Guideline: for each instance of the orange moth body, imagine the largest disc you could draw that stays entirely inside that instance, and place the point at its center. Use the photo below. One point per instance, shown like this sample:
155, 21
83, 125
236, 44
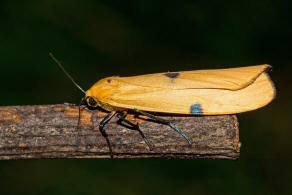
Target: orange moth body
199, 92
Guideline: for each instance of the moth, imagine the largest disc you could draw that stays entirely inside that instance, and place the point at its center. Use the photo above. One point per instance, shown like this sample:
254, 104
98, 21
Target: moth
198, 92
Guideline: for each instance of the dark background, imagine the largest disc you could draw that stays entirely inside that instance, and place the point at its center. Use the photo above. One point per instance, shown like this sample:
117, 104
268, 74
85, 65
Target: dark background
96, 39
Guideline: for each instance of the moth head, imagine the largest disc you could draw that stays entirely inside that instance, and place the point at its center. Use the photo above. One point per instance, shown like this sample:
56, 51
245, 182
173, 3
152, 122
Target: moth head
91, 101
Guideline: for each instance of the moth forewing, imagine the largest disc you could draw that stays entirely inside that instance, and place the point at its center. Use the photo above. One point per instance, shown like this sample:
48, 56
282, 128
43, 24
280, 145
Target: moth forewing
223, 91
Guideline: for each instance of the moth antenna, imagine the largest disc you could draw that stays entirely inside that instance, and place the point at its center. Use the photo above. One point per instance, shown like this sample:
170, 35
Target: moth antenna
68, 75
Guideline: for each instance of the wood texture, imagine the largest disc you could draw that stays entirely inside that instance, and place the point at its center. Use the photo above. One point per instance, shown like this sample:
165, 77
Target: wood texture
49, 131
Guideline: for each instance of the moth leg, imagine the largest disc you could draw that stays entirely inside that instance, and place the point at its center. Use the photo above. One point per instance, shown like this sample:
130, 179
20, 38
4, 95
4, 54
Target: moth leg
163, 121
78, 139
135, 127
79, 111
102, 131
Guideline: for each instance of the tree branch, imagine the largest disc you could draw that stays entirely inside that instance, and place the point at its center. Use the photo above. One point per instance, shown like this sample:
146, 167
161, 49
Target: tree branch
50, 131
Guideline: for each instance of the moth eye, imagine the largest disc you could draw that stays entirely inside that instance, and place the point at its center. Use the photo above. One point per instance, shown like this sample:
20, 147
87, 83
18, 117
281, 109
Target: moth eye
91, 101
109, 81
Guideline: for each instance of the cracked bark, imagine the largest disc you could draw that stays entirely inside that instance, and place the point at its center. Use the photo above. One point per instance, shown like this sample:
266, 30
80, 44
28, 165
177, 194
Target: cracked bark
49, 131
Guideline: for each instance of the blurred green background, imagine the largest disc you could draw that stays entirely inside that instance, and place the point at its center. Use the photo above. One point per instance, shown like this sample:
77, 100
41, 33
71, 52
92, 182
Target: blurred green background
95, 39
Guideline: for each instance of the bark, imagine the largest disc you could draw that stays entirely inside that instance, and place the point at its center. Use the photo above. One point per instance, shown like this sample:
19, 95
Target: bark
50, 131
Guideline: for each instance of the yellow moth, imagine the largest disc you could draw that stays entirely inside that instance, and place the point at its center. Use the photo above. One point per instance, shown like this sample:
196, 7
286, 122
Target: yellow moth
198, 92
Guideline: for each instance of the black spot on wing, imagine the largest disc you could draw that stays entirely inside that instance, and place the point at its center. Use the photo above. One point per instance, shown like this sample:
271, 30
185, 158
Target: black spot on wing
196, 109
171, 75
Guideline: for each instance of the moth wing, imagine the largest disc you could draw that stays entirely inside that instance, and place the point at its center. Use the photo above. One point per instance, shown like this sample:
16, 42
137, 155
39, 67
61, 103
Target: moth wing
231, 78
203, 97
